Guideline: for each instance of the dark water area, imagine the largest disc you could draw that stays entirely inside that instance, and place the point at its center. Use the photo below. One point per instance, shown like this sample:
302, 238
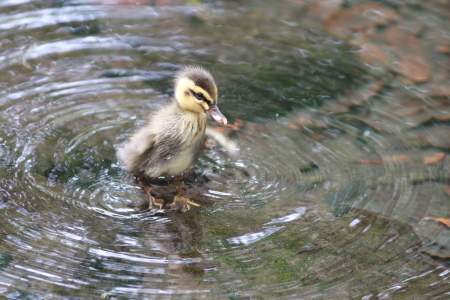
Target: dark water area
340, 111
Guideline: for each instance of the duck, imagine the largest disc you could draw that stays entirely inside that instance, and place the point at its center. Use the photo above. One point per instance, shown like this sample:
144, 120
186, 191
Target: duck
175, 135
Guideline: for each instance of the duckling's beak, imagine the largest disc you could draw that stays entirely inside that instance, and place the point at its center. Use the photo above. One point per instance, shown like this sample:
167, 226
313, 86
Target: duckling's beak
215, 113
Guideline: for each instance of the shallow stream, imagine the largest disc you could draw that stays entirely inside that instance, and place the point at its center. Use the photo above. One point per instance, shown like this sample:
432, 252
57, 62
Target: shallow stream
340, 110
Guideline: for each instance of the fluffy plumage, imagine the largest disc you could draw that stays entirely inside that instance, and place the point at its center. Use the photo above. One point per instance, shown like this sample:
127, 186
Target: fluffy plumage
175, 135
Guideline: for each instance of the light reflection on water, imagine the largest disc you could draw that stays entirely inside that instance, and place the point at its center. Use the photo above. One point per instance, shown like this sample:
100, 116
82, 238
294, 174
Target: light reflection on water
316, 203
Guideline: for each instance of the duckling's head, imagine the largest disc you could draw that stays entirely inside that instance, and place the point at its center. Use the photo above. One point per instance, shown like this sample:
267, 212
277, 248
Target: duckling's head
196, 91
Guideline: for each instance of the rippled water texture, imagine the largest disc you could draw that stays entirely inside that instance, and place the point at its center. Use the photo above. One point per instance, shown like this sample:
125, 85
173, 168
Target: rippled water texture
340, 114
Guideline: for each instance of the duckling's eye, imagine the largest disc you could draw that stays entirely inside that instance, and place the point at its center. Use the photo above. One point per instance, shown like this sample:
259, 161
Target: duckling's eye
199, 96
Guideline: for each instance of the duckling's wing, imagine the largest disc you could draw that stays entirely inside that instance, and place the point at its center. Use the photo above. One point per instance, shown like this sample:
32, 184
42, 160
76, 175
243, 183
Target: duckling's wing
135, 151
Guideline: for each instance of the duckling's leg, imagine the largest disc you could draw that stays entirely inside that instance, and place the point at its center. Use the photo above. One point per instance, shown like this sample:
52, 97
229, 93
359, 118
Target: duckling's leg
153, 203
180, 202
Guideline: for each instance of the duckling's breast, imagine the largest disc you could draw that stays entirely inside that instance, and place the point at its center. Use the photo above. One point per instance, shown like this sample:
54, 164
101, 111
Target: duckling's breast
179, 145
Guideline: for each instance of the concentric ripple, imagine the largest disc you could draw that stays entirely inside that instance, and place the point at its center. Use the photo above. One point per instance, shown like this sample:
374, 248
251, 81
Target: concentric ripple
319, 201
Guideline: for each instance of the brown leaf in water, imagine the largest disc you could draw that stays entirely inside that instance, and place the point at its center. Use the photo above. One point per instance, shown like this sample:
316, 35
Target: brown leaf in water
360, 17
293, 126
413, 68
421, 111
436, 136
410, 107
446, 222
397, 158
300, 122
363, 121
411, 61
363, 94
371, 53
402, 38
444, 117
432, 159
355, 98
362, 161
444, 48
438, 90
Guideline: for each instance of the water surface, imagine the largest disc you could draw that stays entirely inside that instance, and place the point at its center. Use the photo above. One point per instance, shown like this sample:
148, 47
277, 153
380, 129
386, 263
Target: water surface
341, 153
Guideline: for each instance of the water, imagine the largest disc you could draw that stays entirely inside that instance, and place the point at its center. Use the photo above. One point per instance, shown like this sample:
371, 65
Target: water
339, 159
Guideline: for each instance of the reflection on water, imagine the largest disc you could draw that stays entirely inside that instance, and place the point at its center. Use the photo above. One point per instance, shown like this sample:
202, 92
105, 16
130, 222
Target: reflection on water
342, 151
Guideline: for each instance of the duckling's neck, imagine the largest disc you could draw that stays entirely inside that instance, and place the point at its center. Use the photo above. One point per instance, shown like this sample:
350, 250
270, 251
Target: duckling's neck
185, 108
176, 106
191, 125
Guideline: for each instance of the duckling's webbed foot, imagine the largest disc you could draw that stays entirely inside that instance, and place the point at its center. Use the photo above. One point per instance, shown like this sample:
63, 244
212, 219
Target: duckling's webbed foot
153, 203
181, 203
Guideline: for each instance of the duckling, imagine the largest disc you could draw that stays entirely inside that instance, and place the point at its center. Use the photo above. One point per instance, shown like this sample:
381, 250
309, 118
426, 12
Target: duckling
175, 136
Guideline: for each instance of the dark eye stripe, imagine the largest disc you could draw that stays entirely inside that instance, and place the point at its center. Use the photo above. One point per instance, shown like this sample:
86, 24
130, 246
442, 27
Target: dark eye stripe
200, 96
